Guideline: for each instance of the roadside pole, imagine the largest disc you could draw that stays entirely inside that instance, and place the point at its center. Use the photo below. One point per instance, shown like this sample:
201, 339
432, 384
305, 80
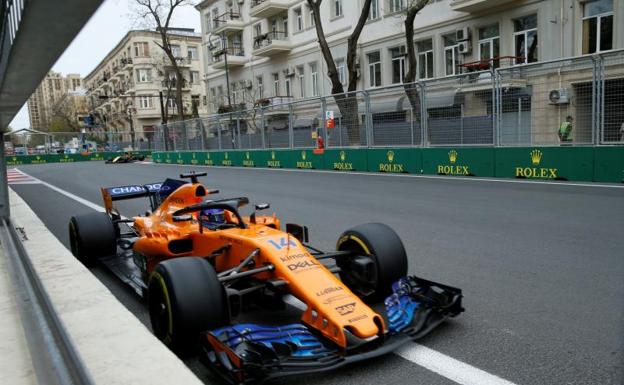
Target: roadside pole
4, 185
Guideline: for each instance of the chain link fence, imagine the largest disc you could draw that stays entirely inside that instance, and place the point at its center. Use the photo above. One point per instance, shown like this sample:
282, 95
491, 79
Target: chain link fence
568, 102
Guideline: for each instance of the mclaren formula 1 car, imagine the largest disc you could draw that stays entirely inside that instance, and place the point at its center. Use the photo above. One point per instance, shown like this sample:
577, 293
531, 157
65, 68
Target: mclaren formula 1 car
204, 267
126, 158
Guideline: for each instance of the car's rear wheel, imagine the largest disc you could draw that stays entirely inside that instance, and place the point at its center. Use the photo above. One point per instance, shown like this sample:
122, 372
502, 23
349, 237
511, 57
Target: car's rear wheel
91, 237
378, 259
185, 298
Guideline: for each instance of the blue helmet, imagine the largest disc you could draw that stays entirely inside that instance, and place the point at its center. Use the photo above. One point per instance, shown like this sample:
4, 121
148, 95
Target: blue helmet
211, 218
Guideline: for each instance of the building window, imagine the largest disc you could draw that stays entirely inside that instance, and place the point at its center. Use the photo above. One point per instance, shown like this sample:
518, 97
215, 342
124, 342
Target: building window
208, 20
192, 53
489, 44
597, 26
374, 10
298, 19
175, 50
396, 5
195, 101
374, 69
257, 30
301, 78
171, 103
194, 77
398, 64
525, 39
145, 102
276, 85
337, 8
215, 17
340, 67
213, 99
144, 75
425, 59
451, 55
311, 22
141, 49
315, 85
285, 26
287, 84
260, 86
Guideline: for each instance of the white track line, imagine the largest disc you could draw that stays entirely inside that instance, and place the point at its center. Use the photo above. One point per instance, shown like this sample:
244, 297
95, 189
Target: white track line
446, 366
374, 174
455, 370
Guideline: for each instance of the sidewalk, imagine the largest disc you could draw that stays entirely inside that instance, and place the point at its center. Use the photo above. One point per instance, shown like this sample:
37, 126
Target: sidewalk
15, 365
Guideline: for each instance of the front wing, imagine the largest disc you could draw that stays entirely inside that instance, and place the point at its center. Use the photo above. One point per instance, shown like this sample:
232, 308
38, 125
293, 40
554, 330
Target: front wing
249, 353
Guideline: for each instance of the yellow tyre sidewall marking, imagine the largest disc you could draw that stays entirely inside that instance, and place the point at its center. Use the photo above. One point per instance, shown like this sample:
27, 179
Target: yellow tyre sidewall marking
356, 240
161, 281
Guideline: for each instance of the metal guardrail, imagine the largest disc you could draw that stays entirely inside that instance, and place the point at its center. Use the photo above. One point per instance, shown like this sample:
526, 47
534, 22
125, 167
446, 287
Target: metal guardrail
54, 356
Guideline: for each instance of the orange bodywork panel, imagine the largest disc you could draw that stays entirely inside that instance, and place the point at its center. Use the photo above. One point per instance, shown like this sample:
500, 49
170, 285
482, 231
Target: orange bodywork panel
331, 307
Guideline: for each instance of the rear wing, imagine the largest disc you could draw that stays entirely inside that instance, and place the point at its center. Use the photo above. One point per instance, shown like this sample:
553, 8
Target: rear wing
156, 192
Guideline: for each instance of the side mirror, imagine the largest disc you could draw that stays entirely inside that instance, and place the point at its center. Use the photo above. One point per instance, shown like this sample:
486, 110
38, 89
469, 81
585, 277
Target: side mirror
262, 206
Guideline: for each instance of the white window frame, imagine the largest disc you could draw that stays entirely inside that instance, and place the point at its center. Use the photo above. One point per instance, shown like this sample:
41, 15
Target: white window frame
490, 41
298, 19
423, 58
192, 52
337, 8
311, 22
260, 86
374, 10
288, 86
276, 84
526, 33
314, 78
145, 102
455, 55
372, 70
401, 60
144, 75
194, 77
396, 5
301, 77
176, 50
600, 17
341, 68
171, 102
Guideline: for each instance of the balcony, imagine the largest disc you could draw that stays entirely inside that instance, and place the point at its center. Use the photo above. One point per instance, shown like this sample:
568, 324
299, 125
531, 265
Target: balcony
228, 23
271, 43
472, 6
235, 56
268, 8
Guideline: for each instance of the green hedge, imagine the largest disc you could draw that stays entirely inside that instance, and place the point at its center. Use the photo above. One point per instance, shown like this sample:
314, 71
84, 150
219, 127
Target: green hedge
15, 160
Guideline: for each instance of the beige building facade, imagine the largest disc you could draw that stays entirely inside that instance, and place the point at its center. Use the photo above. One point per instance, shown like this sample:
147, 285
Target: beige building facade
123, 90
55, 91
273, 53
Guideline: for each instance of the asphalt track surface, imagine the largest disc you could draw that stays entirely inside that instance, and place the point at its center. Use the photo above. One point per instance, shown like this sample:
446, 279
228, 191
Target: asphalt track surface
541, 265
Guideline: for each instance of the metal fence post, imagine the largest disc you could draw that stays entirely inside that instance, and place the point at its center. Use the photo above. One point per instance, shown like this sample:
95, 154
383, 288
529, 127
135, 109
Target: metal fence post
368, 120
186, 136
262, 127
239, 143
291, 134
219, 132
424, 129
412, 124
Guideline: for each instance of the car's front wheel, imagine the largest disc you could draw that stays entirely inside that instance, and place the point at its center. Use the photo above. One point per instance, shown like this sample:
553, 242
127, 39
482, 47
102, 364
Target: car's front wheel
185, 298
378, 259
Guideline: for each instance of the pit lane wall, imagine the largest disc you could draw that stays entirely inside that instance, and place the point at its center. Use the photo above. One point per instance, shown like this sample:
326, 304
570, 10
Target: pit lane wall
15, 160
587, 164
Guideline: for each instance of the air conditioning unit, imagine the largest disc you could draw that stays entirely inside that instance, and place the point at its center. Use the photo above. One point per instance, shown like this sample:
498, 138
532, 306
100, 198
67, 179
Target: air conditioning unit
465, 47
247, 84
462, 34
290, 71
559, 96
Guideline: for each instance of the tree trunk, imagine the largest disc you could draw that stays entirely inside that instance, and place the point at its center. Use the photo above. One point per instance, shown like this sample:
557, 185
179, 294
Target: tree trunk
347, 102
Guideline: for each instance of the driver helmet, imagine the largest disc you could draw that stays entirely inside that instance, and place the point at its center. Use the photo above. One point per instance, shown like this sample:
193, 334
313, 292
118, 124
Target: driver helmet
211, 218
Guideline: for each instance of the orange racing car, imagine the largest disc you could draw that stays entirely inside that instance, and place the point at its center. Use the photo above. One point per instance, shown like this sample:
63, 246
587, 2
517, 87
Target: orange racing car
202, 266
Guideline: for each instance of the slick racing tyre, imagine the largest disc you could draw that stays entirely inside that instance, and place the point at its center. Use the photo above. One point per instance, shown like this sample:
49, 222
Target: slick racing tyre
91, 237
185, 298
378, 260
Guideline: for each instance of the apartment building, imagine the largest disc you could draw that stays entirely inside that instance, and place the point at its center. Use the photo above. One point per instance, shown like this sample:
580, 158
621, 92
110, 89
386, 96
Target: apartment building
54, 89
272, 52
124, 88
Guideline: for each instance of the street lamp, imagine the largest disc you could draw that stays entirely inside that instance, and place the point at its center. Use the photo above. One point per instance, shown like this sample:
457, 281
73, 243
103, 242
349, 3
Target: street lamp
129, 110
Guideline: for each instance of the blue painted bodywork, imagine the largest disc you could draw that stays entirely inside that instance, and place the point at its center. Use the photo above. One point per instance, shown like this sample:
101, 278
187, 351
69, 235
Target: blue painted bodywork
400, 306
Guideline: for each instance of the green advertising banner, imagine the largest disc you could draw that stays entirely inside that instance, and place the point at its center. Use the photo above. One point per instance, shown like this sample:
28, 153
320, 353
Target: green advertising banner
460, 161
306, 159
555, 163
609, 164
345, 160
395, 160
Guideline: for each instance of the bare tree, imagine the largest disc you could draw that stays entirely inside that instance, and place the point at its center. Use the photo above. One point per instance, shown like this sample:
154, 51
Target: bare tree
347, 102
411, 88
158, 13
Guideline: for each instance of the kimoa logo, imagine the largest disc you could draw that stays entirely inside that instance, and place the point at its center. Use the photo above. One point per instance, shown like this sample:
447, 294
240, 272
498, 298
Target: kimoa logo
390, 166
536, 172
343, 164
453, 168
303, 163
